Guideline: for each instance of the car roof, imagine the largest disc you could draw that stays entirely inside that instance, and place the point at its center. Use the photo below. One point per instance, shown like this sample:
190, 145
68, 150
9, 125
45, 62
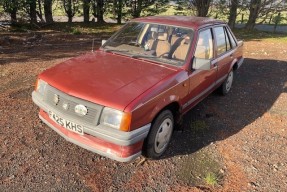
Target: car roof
183, 21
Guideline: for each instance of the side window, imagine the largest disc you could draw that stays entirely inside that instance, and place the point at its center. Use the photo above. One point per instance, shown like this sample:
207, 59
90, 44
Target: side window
220, 39
204, 46
232, 40
228, 46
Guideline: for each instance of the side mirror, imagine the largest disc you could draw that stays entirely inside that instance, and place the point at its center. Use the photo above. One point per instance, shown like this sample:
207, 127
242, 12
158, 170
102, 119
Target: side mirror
104, 41
201, 64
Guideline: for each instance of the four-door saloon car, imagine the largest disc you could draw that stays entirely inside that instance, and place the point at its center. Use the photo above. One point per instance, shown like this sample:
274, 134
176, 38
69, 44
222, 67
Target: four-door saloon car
125, 98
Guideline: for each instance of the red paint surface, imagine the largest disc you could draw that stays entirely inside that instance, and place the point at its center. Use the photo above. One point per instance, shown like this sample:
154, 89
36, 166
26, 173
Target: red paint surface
95, 142
106, 78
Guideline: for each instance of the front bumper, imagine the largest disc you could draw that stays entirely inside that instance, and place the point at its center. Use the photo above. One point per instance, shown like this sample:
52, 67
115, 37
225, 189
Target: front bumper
108, 142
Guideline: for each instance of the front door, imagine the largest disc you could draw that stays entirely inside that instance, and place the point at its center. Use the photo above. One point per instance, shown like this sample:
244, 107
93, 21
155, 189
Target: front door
202, 79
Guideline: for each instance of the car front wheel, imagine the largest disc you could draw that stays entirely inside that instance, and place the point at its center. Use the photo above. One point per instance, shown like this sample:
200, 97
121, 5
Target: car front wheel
159, 136
226, 86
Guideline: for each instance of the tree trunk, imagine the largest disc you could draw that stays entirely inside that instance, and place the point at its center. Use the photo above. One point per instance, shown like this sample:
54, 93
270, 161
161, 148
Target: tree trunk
233, 13
277, 21
137, 8
86, 10
119, 11
202, 7
100, 11
254, 11
40, 13
70, 18
68, 6
48, 11
33, 12
13, 15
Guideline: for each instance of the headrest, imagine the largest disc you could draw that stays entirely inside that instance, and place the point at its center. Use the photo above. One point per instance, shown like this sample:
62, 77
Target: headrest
154, 35
162, 36
186, 40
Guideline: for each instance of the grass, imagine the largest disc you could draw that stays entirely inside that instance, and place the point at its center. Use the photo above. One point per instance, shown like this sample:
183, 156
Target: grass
211, 179
200, 169
76, 31
199, 127
259, 35
75, 28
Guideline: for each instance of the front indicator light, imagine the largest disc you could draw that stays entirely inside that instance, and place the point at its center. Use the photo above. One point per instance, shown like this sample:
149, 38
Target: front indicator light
41, 86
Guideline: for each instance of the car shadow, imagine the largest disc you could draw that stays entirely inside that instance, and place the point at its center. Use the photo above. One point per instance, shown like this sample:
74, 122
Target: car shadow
257, 85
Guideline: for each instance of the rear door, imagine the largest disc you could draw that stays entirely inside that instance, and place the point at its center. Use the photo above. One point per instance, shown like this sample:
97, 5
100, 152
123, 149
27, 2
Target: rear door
223, 52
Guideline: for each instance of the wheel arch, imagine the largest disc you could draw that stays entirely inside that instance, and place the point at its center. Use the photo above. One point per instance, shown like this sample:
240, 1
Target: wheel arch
174, 107
234, 66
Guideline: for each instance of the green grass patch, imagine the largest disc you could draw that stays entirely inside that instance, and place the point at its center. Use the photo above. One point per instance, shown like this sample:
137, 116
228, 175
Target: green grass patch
211, 179
76, 31
199, 127
200, 169
259, 35
76, 28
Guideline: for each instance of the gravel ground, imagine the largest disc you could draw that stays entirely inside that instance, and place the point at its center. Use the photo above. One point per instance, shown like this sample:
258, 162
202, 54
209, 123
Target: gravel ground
232, 143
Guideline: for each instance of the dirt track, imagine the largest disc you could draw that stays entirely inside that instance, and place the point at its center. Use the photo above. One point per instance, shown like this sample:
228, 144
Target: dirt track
241, 137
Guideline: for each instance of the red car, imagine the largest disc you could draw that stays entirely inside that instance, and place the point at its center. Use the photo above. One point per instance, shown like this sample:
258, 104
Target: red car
125, 98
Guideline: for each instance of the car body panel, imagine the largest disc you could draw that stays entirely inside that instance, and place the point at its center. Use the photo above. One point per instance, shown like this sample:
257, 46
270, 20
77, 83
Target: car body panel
86, 77
138, 86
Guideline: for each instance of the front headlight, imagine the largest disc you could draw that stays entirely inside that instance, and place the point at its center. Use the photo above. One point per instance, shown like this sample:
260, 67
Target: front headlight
116, 119
41, 86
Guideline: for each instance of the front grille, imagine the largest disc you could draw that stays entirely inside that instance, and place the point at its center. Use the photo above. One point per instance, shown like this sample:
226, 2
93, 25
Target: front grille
94, 110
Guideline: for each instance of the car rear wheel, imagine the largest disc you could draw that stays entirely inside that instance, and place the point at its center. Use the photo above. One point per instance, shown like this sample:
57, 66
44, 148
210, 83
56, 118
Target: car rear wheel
159, 136
226, 86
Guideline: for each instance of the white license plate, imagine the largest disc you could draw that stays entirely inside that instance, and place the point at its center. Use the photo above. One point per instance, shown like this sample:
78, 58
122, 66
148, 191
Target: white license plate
66, 123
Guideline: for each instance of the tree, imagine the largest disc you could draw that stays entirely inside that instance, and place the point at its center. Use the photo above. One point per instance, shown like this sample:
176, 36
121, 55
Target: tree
118, 10
39, 12
70, 7
86, 10
201, 6
261, 9
98, 10
11, 7
137, 6
156, 8
233, 13
31, 8
254, 11
48, 11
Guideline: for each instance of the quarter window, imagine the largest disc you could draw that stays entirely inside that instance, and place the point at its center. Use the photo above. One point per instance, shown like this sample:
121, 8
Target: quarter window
228, 46
232, 40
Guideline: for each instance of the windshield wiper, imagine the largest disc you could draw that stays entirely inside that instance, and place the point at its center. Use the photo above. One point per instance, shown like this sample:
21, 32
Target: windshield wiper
143, 56
116, 50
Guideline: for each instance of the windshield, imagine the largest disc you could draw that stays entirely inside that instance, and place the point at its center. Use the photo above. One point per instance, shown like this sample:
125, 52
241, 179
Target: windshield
157, 42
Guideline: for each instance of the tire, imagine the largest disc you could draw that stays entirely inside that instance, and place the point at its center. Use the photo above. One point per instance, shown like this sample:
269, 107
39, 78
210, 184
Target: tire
226, 85
159, 136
